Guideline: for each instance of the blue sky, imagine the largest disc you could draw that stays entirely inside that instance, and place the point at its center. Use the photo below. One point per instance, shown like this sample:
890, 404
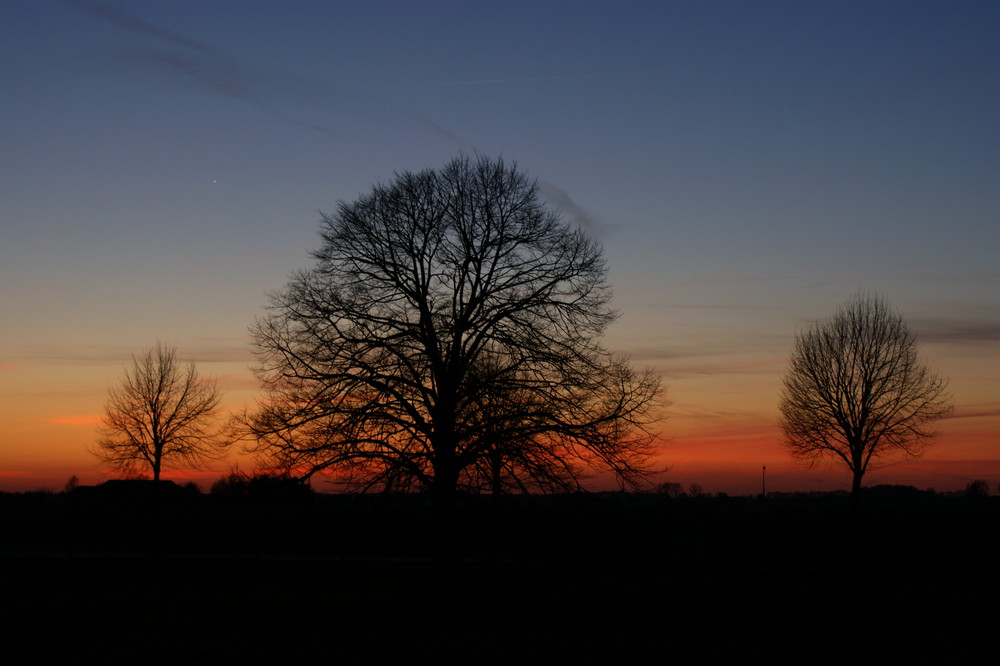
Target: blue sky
748, 166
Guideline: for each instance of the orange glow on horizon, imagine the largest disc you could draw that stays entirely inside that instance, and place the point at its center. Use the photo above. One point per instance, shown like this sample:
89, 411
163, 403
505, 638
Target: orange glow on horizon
718, 432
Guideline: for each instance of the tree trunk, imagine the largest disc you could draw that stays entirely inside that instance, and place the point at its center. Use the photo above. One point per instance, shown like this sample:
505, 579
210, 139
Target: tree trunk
854, 525
155, 523
496, 469
856, 494
444, 516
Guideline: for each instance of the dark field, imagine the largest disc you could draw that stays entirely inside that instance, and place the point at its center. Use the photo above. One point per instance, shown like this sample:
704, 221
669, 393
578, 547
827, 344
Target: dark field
633, 578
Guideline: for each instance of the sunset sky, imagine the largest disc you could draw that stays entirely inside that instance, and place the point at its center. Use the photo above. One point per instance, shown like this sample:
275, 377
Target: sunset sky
748, 166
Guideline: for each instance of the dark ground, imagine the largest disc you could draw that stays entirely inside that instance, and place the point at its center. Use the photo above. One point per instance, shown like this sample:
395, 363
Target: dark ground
629, 578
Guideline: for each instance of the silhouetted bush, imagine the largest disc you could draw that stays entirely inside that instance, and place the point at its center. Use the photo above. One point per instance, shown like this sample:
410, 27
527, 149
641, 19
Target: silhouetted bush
234, 483
671, 489
263, 489
977, 489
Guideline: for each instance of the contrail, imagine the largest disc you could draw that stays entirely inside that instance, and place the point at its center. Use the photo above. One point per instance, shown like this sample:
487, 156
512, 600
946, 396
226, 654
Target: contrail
224, 77
212, 68
208, 66
136, 24
564, 202
217, 71
483, 82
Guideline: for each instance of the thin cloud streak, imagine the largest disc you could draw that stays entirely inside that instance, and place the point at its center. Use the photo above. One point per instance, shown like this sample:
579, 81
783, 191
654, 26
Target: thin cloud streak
483, 82
136, 25
721, 307
561, 200
218, 72
695, 370
728, 276
207, 65
702, 414
973, 414
956, 331
77, 420
117, 355
221, 75
221, 262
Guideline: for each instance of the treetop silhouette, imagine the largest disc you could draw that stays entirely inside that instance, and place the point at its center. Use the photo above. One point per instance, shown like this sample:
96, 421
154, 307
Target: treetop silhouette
855, 390
447, 337
160, 415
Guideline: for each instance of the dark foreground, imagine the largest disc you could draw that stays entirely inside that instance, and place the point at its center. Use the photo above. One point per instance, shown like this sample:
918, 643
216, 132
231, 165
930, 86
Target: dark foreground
598, 578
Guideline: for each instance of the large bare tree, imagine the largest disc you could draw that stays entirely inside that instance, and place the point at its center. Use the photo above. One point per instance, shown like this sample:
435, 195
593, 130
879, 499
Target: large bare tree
447, 338
160, 415
855, 390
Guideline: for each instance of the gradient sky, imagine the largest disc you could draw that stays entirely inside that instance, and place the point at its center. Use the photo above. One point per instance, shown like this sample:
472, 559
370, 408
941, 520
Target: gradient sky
748, 167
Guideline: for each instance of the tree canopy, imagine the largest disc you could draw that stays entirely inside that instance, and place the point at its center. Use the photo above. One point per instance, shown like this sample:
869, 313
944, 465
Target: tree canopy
855, 390
448, 337
160, 415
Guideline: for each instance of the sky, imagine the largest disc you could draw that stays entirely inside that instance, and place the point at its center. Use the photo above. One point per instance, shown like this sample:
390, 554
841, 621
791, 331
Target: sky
747, 166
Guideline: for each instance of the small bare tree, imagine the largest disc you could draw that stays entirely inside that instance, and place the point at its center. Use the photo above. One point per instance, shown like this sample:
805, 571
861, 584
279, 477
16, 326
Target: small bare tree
161, 414
855, 390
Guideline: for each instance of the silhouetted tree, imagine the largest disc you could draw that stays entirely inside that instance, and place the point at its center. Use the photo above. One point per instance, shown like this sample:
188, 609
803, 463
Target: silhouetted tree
855, 390
977, 489
262, 485
233, 483
447, 338
161, 414
671, 489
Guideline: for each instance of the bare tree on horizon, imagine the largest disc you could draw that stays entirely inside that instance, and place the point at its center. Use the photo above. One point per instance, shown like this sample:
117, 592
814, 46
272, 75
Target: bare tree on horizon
160, 415
448, 338
856, 391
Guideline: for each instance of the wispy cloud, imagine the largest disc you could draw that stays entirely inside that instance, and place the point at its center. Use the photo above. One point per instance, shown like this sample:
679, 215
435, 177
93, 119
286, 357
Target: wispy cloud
136, 25
273, 92
561, 200
38, 396
193, 59
731, 276
985, 411
77, 420
230, 354
484, 82
196, 351
938, 330
723, 366
226, 262
268, 91
81, 353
